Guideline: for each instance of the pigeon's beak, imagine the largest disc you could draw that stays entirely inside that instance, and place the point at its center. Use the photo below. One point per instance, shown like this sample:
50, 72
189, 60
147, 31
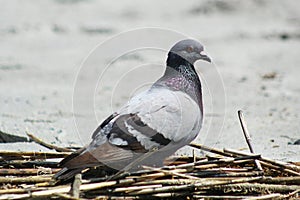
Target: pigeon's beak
204, 56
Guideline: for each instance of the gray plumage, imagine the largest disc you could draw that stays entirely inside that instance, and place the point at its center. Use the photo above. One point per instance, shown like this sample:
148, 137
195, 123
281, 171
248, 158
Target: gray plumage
153, 124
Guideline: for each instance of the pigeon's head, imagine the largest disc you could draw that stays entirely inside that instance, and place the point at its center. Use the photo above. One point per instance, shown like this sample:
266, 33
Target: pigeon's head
190, 50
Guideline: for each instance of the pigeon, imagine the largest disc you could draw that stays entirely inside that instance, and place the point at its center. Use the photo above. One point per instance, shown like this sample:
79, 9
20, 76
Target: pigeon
153, 124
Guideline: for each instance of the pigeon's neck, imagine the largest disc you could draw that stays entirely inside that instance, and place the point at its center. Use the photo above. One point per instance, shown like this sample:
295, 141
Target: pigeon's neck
181, 75
175, 61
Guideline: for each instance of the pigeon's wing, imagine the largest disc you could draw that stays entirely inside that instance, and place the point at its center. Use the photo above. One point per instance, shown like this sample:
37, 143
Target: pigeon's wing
174, 114
103, 124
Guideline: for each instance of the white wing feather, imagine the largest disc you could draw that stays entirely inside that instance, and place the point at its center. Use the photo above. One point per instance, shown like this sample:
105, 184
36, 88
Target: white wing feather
172, 113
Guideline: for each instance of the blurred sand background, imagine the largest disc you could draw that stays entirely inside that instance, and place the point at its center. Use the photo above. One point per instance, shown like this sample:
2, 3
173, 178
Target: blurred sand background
255, 46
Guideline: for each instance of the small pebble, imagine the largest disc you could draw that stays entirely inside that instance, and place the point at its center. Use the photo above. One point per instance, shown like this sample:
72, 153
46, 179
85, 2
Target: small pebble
270, 75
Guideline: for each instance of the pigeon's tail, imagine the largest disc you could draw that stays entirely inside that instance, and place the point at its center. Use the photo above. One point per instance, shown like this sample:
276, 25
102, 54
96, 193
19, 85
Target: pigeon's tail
66, 174
82, 159
71, 165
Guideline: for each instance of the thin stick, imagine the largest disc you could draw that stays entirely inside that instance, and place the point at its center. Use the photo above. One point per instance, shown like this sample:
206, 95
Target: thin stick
209, 149
194, 156
28, 164
28, 179
32, 155
27, 171
173, 195
172, 172
281, 180
75, 189
133, 188
257, 187
247, 137
230, 174
47, 145
288, 167
226, 169
19, 190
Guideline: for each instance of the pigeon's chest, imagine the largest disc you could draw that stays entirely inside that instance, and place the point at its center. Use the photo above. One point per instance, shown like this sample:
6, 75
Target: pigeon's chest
186, 84
178, 83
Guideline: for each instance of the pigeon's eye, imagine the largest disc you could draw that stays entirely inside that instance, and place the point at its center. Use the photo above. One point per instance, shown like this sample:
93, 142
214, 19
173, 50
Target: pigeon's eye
189, 49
